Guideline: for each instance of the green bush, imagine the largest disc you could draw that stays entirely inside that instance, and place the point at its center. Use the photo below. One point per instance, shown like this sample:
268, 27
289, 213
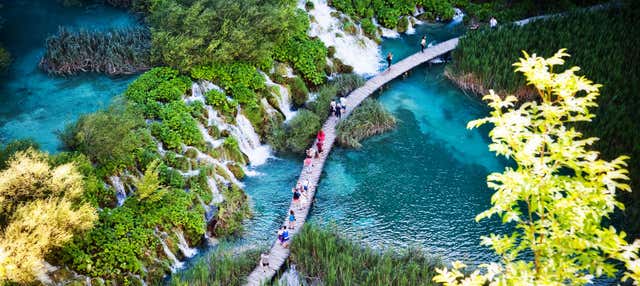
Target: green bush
14, 146
159, 84
368, 119
403, 25
346, 83
369, 28
301, 130
178, 126
221, 103
320, 106
323, 254
299, 91
231, 212
307, 57
308, 6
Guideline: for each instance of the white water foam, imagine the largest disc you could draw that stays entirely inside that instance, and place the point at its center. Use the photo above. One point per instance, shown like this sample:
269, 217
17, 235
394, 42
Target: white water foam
358, 51
121, 194
283, 98
175, 263
184, 246
249, 141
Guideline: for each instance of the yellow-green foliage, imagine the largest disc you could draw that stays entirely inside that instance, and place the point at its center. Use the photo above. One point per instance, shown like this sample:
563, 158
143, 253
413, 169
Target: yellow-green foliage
149, 187
560, 192
40, 210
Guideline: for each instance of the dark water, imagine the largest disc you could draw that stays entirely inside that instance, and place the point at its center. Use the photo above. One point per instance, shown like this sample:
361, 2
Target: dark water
34, 104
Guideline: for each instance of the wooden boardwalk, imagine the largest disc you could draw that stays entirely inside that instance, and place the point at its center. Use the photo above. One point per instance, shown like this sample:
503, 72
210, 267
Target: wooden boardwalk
278, 254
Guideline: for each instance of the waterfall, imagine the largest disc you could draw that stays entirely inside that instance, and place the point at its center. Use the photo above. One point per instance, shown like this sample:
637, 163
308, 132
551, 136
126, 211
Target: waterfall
249, 141
198, 89
216, 196
358, 51
283, 98
184, 246
206, 158
207, 137
175, 263
121, 194
387, 33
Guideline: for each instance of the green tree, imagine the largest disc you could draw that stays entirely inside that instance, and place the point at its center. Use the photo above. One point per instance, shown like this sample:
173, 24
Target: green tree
559, 194
40, 209
148, 187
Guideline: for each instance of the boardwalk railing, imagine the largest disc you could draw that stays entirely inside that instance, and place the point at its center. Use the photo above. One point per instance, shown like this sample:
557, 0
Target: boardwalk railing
278, 254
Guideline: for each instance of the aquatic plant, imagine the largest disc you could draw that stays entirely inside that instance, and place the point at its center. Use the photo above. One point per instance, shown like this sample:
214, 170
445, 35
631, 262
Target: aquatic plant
561, 194
113, 52
484, 59
368, 119
222, 266
5, 59
323, 253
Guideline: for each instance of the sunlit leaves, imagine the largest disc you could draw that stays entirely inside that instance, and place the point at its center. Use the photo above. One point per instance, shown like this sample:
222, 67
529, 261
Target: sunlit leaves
559, 194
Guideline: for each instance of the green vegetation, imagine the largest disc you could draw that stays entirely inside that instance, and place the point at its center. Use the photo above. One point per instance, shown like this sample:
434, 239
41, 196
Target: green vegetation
389, 13
115, 52
368, 119
301, 130
299, 91
224, 266
41, 208
508, 11
334, 260
13, 147
560, 195
483, 60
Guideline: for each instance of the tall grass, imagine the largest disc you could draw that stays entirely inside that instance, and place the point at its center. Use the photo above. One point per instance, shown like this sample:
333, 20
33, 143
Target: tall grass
368, 119
323, 254
114, 52
602, 43
220, 267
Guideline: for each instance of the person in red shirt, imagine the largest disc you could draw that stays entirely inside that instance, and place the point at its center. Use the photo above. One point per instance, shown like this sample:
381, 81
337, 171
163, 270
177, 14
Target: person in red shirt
320, 136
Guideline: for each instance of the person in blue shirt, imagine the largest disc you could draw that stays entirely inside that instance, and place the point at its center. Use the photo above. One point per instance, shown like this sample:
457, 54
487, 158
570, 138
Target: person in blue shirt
292, 220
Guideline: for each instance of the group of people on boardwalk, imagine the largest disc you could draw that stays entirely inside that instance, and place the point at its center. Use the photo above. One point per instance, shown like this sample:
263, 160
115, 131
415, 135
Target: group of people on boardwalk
337, 108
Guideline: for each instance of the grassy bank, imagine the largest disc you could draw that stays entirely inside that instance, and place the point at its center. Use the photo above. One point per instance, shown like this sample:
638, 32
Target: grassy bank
325, 255
601, 43
368, 119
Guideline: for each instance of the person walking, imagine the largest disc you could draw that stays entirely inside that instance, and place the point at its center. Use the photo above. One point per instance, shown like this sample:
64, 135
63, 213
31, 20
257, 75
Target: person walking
389, 59
292, 219
320, 136
423, 43
296, 199
338, 112
343, 104
264, 260
319, 147
280, 232
285, 237
332, 108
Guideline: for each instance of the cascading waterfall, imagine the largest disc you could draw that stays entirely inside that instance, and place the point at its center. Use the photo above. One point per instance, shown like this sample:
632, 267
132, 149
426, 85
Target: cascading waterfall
121, 194
283, 98
175, 263
358, 51
249, 141
206, 158
216, 196
387, 33
184, 246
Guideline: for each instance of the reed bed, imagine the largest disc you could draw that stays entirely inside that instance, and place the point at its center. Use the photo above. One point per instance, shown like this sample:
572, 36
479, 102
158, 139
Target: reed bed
224, 266
113, 52
322, 254
368, 119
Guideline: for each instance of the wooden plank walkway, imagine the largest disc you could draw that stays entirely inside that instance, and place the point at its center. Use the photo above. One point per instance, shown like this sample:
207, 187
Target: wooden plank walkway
278, 254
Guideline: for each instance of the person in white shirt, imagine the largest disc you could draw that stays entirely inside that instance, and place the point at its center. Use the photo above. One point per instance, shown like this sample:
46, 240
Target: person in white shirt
493, 22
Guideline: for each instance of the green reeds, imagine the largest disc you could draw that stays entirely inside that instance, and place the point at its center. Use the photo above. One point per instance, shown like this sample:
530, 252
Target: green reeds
322, 254
368, 119
113, 52
223, 266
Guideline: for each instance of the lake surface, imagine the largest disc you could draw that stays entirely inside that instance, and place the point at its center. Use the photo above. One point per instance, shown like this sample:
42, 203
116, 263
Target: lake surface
420, 185
35, 105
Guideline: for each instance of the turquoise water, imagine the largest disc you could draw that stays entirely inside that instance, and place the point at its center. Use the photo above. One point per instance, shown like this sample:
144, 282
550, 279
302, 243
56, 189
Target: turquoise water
35, 105
421, 185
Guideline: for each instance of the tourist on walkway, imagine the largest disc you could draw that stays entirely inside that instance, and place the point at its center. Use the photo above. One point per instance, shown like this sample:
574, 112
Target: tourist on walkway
423, 43
292, 219
311, 153
389, 59
338, 112
493, 22
308, 164
280, 232
332, 108
285, 238
319, 146
343, 104
264, 260
296, 199
320, 136
305, 185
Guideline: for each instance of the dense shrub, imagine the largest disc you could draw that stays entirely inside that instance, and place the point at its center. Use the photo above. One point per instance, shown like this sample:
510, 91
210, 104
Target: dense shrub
301, 129
488, 55
7, 151
219, 101
231, 212
308, 56
159, 84
240, 80
368, 28
299, 91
